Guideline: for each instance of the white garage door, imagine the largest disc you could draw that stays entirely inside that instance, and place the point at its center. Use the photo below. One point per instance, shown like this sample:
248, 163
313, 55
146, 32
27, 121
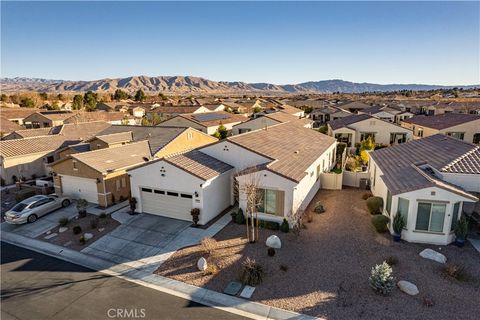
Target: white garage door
166, 203
80, 188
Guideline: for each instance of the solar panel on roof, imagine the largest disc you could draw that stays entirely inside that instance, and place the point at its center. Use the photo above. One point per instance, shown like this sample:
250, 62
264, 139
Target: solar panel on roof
210, 117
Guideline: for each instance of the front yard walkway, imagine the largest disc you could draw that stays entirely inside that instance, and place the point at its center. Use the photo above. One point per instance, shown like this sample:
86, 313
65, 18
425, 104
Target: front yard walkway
328, 266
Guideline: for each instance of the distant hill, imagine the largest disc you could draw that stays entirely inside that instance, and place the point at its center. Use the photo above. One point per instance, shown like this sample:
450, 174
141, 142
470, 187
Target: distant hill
197, 85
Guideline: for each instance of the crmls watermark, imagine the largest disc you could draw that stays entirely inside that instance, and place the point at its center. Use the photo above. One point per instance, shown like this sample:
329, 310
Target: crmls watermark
119, 313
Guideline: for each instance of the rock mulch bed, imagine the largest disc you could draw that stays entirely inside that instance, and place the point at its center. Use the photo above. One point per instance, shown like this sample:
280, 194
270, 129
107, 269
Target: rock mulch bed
328, 266
72, 241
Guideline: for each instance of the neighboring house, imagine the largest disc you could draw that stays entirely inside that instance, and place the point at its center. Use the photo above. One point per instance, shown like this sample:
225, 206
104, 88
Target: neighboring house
270, 120
283, 158
27, 133
24, 158
8, 127
99, 176
290, 110
110, 140
46, 119
110, 106
458, 125
354, 106
356, 128
74, 148
325, 114
168, 112
205, 122
164, 140
214, 106
427, 181
138, 112
109, 117
17, 115
402, 116
383, 113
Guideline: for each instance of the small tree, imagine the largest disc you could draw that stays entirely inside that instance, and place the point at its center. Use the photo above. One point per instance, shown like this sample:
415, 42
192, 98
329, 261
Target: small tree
27, 103
140, 95
120, 95
77, 103
221, 132
253, 194
90, 101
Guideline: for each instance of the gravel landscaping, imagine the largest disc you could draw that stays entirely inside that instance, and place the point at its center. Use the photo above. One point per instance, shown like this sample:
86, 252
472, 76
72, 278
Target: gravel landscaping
328, 267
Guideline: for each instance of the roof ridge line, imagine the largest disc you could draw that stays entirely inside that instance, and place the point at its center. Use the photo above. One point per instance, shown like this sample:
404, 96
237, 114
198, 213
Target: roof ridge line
463, 156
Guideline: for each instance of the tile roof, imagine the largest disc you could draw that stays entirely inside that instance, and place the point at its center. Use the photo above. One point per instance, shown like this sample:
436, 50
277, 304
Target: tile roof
116, 137
7, 126
57, 115
158, 137
84, 130
354, 105
175, 109
199, 164
97, 116
399, 163
292, 148
17, 113
25, 133
288, 109
19, 147
346, 121
442, 121
283, 117
113, 159
205, 119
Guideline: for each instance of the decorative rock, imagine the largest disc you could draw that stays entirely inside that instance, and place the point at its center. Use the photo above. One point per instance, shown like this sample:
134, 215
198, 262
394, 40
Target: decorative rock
88, 236
62, 229
408, 287
273, 242
202, 264
247, 292
433, 255
101, 229
50, 236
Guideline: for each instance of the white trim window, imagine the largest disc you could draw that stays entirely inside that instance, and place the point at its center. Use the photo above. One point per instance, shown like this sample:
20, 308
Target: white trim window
403, 208
455, 215
430, 217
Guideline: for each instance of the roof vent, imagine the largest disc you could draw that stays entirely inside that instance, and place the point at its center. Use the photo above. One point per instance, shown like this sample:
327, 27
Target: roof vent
145, 159
296, 152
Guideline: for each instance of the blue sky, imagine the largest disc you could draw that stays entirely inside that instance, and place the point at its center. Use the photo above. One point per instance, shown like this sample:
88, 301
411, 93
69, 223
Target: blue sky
277, 42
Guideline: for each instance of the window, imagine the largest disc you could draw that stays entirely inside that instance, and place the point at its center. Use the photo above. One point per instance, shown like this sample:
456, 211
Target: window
388, 207
430, 217
456, 209
146, 190
456, 135
420, 132
173, 194
244, 130
476, 138
188, 196
403, 208
159, 191
124, 182
74, 163
398, 138
365, 135
268, 202
50, 159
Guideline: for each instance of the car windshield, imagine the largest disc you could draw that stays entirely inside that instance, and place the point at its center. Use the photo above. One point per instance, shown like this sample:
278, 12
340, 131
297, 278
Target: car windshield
19, 207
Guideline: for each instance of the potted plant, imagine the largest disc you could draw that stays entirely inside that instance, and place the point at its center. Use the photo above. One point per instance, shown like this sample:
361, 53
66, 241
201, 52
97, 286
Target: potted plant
398, 224
461, 230
82, 205
195, 212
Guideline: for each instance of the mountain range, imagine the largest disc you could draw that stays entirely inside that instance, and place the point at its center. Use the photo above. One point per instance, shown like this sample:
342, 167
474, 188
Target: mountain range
197, 85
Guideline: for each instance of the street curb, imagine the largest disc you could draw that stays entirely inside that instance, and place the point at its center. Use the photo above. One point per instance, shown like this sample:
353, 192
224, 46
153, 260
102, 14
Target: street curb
239, 306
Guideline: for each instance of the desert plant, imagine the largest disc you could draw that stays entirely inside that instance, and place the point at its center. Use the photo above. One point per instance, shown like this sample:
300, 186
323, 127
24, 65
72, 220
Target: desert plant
24, 194
366, 195
380, 222
375, 205
391, 260
240, 218
82, 205
63, 221
93, 223
233, 214
319, 208
461, 228
82, 240
271, 225
455, 271
252, 273
211, 269
428, 301
283, 268
398, 223
102, 215
77, 229
195, 212
209, 245
284, 227
381, 279
271, 252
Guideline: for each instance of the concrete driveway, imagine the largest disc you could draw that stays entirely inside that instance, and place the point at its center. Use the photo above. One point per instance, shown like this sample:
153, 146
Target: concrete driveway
141, 238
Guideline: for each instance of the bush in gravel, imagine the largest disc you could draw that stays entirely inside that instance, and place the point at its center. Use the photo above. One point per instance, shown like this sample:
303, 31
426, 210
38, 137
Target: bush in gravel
240, 218
77, 229
82, 240
252, 273
284, 227
375, 205
391, 260
284, 268
366, 195
102, 215
63, 221
271, 252
209, 245
24, 194
94, 223
428, 301
211, 269
381, 279
380, 222
455, 271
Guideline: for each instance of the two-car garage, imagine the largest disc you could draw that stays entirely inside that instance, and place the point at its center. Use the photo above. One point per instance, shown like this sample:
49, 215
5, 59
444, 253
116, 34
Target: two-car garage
166, 203
79, 188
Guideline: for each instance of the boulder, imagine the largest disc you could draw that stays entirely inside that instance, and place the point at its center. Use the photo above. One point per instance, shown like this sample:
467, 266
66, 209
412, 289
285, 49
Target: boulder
88, 236
433, 255
408, 287
202, 264
62, 229
273, 242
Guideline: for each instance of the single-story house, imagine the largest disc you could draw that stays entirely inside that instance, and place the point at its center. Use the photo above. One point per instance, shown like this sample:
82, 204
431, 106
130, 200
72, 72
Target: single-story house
26, 133
46, 119
206, 122
356, 128
110, 140
168, 112
270, 119
109, 117
402, 116
381, 112
74, 148
17, 115
354, 106
7, 127
325, 114
458, 125
427, 181
290, 110
99, 176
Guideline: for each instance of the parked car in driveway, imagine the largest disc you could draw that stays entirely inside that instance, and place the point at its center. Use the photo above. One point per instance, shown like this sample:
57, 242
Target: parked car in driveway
29, 210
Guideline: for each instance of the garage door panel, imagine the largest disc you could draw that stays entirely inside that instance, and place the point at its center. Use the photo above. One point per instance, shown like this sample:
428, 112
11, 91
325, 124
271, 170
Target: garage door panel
77, 188
176, 207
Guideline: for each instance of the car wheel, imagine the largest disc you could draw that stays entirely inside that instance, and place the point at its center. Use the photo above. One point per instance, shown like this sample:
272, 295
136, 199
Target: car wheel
32, 218
65, 203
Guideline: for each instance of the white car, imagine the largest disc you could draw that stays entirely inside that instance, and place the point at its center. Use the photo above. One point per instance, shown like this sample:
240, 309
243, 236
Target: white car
29, 210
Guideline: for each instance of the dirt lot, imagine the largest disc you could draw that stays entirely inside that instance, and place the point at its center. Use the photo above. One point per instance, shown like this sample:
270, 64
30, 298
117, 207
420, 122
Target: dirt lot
329, 265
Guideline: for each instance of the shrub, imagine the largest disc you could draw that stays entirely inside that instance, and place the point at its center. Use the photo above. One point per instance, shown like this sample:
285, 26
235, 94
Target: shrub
211, 269
284, 227
82, 205
375, 205
319, 208
366, 195
283, 268
240, 218
323, 129
24, 194
63, 221
271, 252
380, 221
77, 229
209, 245
252, 273
82, 240
271, 225
391, 260
381, 279
461, 228
102, 215
233, 214
455, 271
94, 223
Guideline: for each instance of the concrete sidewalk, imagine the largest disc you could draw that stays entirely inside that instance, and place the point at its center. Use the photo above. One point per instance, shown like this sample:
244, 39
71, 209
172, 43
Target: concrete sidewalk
144, 276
